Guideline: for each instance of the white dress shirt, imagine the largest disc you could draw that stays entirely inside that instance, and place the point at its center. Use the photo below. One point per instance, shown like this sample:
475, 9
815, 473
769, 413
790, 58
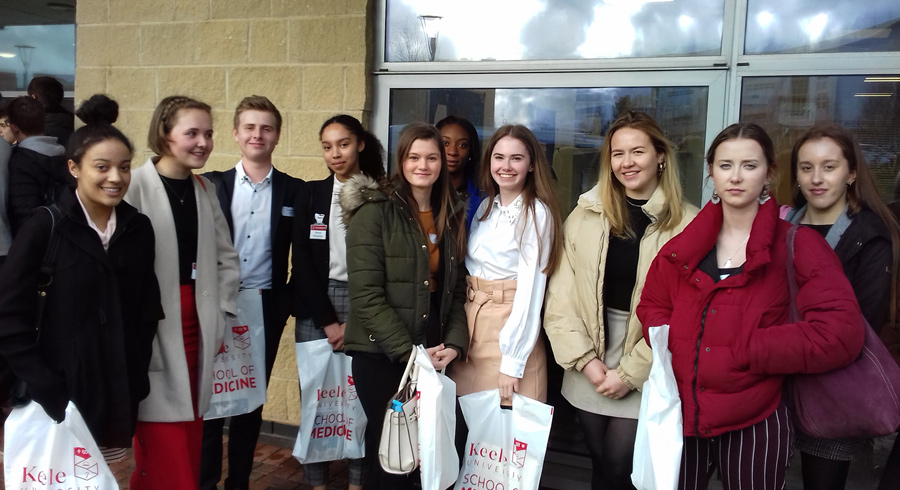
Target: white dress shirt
251, 216
337, 236
105, 235
505, 246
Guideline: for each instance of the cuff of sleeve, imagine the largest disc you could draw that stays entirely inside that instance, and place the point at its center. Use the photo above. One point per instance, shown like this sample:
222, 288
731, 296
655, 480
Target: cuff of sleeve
624, 378
581, 363
511, 366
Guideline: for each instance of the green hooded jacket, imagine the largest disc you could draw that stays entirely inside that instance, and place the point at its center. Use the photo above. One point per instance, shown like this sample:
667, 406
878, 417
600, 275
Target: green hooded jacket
389, 274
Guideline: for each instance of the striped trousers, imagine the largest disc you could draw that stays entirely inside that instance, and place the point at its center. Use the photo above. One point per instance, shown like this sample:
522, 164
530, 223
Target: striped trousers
753, 458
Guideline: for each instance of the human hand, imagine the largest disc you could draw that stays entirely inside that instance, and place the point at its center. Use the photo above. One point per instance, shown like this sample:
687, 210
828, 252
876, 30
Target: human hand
613, 387
595, 371
335, 334
508, 385
441, 356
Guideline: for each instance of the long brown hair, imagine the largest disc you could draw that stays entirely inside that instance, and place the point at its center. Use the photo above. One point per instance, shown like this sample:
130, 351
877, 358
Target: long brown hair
862, 193
612, 192
538, 186
443, 198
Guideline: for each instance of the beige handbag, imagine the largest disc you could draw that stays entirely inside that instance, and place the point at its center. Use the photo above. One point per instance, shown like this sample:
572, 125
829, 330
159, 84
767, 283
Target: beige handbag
398, 450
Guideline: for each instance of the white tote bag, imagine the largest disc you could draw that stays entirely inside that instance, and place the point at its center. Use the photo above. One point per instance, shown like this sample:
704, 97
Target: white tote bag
239, 369
438, 461
505, 448
40, 454
660, 431
332, 420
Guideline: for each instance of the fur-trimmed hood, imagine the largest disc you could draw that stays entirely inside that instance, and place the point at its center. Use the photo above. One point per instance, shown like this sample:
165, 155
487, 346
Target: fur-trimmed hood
357, 191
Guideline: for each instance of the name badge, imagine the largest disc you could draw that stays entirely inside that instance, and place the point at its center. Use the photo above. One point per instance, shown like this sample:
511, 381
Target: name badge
318, 232
194, 271
287, 211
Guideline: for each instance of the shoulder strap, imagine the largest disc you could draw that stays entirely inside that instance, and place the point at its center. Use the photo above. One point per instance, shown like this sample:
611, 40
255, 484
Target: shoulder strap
202, 184
792, 273
45, 277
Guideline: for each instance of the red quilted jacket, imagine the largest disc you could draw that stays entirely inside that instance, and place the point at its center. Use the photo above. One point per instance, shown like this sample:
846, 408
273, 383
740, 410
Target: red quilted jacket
730, 341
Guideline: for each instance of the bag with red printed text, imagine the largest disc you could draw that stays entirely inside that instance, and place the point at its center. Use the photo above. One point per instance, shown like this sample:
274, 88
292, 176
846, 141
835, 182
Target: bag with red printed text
41, 454
505, 448
332, 420
239, 369
438, 461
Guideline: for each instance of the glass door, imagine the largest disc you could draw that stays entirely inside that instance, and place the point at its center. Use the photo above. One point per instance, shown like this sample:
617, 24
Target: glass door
569, 113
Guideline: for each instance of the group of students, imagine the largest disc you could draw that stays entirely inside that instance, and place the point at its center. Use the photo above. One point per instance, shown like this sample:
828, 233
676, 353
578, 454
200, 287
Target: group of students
456, 250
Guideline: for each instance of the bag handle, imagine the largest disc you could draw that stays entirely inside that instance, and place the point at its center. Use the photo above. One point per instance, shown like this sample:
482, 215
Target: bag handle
45, 278
794, 315
409, 367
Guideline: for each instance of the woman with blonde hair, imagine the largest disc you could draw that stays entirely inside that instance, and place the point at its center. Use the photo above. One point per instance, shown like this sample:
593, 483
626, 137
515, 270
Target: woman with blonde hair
611, 238
198, 272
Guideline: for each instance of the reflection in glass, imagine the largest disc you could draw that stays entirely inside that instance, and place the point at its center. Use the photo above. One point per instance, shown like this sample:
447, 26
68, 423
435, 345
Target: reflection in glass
571, 123
51, 49
867, 105
475, 30
812, 26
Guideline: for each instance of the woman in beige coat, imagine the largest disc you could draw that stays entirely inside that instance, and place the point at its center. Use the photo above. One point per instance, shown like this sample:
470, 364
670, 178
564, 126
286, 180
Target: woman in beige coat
199, 273
610, 239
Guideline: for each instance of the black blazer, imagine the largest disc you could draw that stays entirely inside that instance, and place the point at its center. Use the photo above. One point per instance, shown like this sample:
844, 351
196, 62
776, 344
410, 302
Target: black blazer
98, 323
284, 195
313, 256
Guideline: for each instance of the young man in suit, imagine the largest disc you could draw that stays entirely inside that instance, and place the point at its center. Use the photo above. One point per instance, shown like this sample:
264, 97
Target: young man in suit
257, 201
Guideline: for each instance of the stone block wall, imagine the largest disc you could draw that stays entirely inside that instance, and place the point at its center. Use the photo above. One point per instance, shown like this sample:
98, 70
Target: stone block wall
312, 58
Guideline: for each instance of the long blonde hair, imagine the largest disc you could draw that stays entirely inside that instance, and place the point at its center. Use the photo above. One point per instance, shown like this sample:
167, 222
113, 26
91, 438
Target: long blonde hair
612, 192
538, 186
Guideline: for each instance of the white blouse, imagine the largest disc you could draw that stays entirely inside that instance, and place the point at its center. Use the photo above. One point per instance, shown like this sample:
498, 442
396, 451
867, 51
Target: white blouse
503, 247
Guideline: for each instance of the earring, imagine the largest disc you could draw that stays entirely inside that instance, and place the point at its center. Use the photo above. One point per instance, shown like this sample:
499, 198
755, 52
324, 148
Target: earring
715, 198
661, 166
764, 195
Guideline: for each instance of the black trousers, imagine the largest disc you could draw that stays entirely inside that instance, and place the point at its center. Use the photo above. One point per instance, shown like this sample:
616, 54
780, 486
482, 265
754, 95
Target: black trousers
376, 379
243, 430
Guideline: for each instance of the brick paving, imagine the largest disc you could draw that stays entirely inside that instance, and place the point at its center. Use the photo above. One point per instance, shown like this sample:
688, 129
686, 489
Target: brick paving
274, 469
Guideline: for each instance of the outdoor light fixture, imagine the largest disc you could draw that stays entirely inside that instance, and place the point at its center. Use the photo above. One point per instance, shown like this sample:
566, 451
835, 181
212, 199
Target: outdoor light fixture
430, 24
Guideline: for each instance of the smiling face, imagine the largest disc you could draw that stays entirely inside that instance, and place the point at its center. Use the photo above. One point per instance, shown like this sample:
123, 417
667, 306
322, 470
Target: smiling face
422, 166
191, 139
340, 148
635, 162
256, 135
457, 146
739, 172
823, 174
510, 166
103, 175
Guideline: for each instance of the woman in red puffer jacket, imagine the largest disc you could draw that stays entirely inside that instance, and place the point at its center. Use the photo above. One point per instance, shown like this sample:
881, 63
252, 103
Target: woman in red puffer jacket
721, 286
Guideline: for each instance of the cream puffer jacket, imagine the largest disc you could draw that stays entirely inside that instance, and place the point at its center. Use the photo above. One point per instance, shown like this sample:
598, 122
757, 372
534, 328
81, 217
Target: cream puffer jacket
573, 311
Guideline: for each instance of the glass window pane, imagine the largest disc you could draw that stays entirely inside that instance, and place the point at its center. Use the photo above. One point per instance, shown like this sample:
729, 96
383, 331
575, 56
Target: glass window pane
475, 30
29, 51
867, 105
571, 123
812, 26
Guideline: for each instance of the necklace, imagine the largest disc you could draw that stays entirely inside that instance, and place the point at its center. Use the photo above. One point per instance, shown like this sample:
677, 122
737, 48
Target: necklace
740, 247
183, 194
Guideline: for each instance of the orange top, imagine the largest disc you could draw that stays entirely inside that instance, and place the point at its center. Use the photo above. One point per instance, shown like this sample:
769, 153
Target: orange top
434, 254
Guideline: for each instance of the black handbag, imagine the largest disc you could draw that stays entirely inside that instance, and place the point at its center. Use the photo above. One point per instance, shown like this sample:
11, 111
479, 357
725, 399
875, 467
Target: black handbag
18, 390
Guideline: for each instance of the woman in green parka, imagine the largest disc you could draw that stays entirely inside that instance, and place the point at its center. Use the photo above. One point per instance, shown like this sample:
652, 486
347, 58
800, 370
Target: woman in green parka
405, 251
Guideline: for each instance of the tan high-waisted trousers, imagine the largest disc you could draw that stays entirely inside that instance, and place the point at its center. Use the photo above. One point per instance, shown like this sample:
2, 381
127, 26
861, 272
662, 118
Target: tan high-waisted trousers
488, 305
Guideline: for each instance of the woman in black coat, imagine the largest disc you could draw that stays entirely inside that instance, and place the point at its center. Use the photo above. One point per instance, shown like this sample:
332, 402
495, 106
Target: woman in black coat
835, 194
94, 340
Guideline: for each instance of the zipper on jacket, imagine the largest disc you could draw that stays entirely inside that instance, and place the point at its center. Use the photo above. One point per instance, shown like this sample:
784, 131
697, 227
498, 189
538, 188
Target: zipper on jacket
696, 368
